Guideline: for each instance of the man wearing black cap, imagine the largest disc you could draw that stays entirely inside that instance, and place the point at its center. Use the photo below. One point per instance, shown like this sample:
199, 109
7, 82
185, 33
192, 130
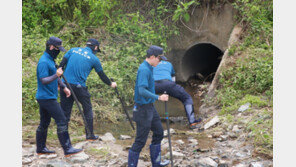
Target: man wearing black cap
146, 117
47, 93
79, 63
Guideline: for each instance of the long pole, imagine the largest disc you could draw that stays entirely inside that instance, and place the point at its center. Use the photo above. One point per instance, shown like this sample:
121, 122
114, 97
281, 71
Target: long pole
168, 130
76, 101
123, 106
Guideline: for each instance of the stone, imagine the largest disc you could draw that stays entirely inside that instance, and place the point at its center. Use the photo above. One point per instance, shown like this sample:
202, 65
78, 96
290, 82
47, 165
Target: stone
172, 131
124, 137
212, 122
26, 161
256, 164
175, 154
217, 134
240, 165
54, 163
244, 107
79, 158
235, 129
207, 162
180, 142
81, 145
48, 156
108, 137
224, 137
193, 141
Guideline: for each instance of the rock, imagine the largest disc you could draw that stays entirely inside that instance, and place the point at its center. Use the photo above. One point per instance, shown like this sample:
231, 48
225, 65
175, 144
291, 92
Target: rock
235, 129
207, 162
256, 164
81, 145
244, 107
239, 155
180, 142
193, 141
175, 154
223, 163
79, 158
241, 165
49, 156
26, 161
224, 137
124, 137
217, 134
54, 163
203, 150
108, 137
212, 122
172, 131
232, 135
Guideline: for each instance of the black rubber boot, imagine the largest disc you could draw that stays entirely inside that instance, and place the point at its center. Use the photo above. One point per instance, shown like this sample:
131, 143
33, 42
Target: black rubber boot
133, 158
90, 135
155, 155
41, 136
66, 144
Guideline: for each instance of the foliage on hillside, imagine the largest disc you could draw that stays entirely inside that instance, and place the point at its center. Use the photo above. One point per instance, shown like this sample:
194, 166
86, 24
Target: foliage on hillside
250, 77
125, 29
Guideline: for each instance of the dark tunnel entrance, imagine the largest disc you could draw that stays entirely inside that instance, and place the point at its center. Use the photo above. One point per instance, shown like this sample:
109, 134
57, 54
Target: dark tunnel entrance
201, 61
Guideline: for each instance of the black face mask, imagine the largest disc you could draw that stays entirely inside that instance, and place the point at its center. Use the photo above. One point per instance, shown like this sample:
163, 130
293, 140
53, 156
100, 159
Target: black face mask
53, 53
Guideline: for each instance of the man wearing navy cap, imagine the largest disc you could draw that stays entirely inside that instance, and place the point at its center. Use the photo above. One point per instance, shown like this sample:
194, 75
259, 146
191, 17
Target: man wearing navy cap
164, 74
47, 93
79, 63
146, 117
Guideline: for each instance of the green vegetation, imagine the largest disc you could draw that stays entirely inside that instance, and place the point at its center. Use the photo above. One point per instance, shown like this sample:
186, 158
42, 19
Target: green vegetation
123, 32
250, 78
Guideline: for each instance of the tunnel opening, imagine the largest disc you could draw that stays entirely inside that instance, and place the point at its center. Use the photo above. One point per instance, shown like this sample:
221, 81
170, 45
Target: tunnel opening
201, 61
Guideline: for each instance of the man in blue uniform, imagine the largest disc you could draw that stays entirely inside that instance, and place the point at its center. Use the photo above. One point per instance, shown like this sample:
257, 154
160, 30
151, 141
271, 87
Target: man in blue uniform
164, 74
146, 117
79, 63
47, 93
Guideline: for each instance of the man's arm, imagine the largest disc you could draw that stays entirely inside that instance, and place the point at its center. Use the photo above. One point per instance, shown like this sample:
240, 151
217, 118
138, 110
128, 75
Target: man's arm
104, 77
146, 93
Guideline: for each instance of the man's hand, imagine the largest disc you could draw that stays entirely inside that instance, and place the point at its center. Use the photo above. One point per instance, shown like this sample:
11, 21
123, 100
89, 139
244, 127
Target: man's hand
59, 71
163, 97
67, 92
113, 84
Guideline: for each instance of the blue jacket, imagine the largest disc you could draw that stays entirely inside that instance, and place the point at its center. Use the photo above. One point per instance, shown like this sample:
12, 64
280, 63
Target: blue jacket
145, 80
46, 67
80, 63
164, 70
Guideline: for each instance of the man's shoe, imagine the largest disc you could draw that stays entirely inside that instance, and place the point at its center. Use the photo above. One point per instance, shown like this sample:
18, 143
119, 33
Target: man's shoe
196, 124
92, 138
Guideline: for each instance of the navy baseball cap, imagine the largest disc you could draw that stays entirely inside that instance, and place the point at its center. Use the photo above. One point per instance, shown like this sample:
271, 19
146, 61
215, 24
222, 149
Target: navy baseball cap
93, 42
57, 42
156, 51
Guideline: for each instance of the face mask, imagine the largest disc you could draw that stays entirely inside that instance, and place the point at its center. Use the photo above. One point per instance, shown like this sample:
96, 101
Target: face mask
53, 53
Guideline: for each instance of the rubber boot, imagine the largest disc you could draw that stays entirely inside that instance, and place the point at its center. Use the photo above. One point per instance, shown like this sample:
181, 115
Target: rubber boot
155, 155
190, 115
41, 136
90, 135
66, 144
133, 158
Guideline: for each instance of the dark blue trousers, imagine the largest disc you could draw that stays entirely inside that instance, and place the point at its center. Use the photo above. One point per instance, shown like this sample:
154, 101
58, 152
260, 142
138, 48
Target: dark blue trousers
146, 118
51, 108
83, 97
173, 90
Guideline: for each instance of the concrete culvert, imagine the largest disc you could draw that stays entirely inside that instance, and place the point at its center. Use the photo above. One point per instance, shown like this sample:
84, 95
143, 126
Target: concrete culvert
201, 61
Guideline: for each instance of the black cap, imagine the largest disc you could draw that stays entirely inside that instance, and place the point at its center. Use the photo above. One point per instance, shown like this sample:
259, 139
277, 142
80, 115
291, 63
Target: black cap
93, 42
156, 51
57, 42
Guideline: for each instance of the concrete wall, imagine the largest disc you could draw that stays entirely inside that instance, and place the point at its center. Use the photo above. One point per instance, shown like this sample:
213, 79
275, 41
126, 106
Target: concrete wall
208, 24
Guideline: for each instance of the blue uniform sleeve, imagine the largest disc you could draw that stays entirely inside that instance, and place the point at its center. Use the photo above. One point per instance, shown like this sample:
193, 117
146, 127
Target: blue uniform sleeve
147, 94
97, 65
143, 76
42, 70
